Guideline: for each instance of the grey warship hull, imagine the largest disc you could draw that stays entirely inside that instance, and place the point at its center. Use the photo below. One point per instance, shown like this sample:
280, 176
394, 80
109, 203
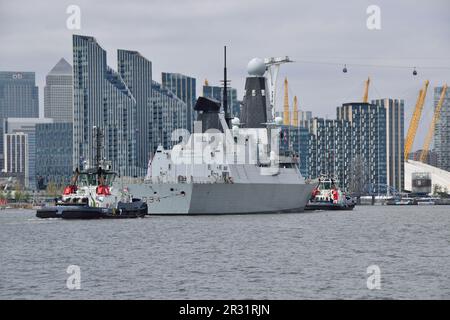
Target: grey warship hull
220, 198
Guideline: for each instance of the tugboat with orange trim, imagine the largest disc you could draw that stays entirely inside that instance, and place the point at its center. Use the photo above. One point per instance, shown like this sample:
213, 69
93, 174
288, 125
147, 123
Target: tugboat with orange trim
328, 196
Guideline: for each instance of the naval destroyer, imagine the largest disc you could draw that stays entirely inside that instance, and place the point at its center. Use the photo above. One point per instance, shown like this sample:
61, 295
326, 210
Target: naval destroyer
228, 165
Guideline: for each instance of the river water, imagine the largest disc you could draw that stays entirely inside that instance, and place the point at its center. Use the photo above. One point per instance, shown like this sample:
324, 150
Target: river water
318, 255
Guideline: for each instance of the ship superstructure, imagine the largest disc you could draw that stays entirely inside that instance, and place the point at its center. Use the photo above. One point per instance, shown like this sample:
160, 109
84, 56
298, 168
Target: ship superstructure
226, 166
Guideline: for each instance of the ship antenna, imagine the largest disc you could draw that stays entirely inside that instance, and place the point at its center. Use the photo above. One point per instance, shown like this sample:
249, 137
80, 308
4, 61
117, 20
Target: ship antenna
225, 89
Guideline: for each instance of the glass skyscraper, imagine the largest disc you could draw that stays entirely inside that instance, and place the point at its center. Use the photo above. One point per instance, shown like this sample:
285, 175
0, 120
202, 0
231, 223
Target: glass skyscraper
184, 87
136, 72
168, 114
134, 112
58, 93
101, 99
442, 130
395, 141
54, 156
19, 98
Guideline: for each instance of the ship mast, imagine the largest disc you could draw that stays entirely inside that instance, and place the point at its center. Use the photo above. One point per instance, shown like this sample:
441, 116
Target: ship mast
225, 89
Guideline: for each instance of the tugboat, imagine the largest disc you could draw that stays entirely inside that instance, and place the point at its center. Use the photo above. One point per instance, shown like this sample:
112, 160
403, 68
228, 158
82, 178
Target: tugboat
90, 196
328, 196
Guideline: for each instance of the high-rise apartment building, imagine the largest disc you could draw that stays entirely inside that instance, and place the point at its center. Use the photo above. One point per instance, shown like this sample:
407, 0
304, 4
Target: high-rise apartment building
134, 112
136, 72
330, 150
58, 93
16, 156
304, 117
442, 130
299, 141
368, 138
102, 100
168, 114
54, 156
395, 142
184, 87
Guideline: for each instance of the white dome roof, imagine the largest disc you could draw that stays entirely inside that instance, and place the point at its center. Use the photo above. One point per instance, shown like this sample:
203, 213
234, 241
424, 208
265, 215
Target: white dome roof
256, 67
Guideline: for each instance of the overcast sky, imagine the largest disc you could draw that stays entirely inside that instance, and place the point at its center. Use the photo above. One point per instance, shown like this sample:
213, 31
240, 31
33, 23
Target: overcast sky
187, 36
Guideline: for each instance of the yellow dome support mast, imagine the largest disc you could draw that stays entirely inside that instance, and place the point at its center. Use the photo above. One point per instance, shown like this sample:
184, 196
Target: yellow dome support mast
286, 118
295, 113
436, 115
414, 124
366, 91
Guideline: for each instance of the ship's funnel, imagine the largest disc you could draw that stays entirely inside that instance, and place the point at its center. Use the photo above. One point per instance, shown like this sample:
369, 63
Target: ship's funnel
254, 106
208, 113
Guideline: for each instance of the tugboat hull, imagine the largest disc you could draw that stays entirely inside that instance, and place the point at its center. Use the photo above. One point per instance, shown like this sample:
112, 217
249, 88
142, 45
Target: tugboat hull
135, 209
55, 211
328, 206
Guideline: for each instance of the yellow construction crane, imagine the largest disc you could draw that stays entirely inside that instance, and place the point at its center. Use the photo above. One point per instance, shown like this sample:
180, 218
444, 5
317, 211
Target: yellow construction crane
366, 91
206, 83
286, 118
295, 113
429, 137
414, 123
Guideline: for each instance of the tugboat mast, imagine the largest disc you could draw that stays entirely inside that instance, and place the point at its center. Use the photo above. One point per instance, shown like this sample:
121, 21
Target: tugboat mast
98, 137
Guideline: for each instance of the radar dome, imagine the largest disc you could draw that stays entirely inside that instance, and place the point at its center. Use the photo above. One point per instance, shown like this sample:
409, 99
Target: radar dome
256, 67
235, 121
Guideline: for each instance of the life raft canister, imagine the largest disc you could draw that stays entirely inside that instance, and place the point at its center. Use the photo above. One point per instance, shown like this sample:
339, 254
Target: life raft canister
69, 190
335, 195
103, 190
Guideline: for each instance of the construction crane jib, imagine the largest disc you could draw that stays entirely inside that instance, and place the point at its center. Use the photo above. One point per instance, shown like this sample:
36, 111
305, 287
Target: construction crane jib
414, 123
